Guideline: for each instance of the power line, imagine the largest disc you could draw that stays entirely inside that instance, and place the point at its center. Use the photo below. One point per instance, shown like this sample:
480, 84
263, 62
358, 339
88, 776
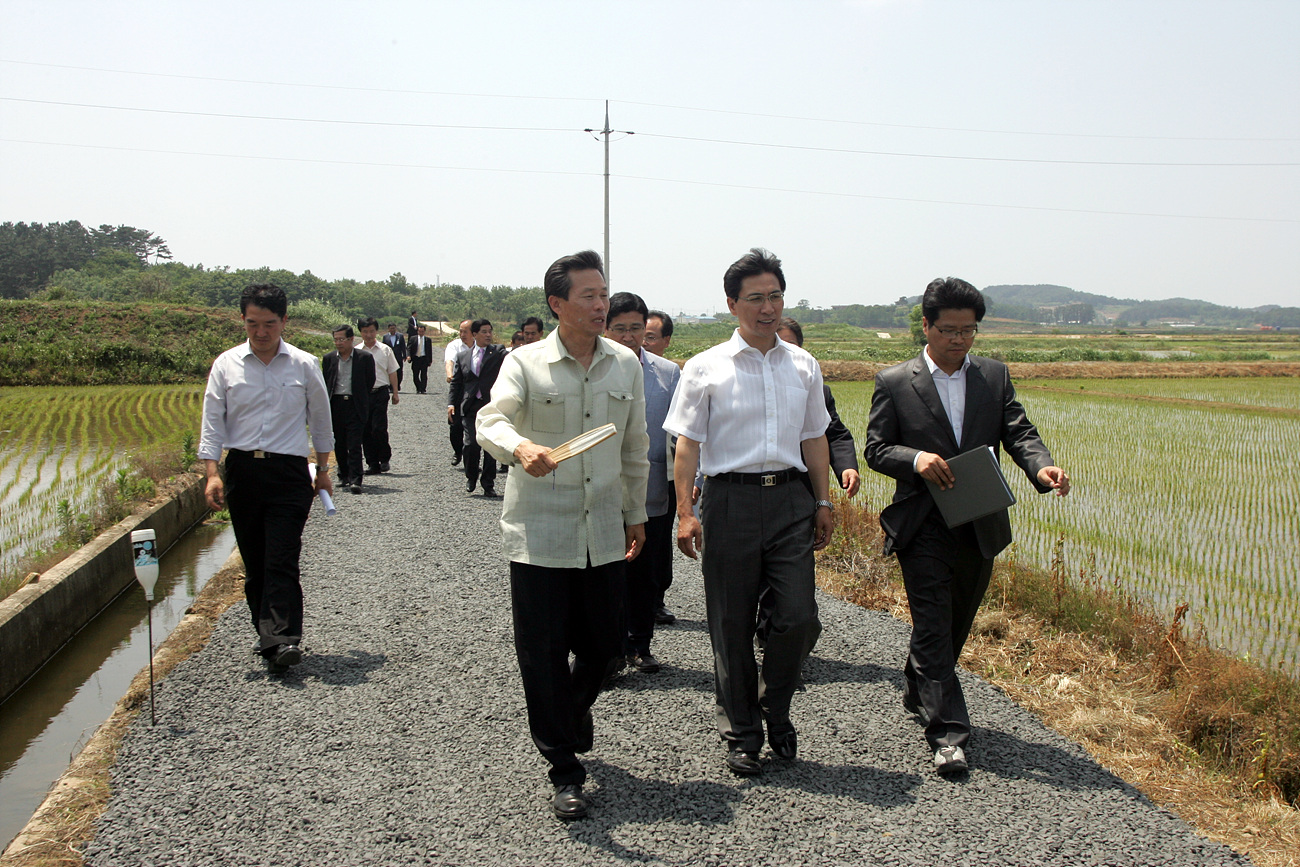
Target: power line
815, 148
958, 156
951, 128
837, 194
288, 119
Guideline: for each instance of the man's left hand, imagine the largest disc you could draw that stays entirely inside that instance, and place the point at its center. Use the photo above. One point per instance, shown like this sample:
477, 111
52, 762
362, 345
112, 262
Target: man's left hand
634, 535
850, 481
396, 398
1055, 478
823, 527
323, 483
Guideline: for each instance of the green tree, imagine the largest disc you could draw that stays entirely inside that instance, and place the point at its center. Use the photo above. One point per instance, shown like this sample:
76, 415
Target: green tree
914, 320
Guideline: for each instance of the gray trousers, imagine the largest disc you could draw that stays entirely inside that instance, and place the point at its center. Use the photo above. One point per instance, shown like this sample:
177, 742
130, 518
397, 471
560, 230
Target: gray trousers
756, 537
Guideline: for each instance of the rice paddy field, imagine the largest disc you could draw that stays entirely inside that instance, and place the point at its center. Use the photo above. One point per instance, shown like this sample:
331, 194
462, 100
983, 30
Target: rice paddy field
58, 444
1184, 490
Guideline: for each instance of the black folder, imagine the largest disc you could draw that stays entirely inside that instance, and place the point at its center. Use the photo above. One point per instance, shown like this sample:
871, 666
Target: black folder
979, 488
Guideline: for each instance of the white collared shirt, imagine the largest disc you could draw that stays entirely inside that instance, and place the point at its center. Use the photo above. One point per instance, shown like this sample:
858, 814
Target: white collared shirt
952, 392
249, 405
385, 360
575, 515
453, 350
749, 411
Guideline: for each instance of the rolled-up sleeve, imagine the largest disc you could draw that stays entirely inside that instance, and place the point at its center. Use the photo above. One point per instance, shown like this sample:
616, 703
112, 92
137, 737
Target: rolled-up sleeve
212, 434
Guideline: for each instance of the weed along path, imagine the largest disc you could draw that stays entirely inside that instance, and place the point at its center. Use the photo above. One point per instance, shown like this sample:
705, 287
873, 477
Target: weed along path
402, 739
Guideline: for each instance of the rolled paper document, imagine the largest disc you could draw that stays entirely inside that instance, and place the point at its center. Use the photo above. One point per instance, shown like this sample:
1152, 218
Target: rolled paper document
144, 551
325, 499
582, 442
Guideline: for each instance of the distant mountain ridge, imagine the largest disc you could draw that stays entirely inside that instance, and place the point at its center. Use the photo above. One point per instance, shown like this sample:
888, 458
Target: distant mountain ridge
1024, 301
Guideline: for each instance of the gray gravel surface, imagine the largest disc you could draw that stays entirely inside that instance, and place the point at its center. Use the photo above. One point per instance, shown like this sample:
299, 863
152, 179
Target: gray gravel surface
402, 737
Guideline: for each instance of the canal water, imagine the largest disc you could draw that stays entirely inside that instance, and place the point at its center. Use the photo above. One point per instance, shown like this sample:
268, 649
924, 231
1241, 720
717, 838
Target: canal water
45, 723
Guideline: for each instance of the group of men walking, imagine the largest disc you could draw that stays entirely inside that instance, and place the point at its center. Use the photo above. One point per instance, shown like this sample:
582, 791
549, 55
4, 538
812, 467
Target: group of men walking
739, 444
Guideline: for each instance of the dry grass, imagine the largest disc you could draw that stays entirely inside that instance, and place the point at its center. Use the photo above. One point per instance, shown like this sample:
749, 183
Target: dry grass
865, 371
1211, 738
65, 821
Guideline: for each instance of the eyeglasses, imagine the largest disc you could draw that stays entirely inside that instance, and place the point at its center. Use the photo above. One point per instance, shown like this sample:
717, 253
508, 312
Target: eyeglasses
627, 329
759, 298
955, 333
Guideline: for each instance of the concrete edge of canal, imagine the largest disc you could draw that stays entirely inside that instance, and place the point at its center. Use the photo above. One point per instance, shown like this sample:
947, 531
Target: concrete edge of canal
65, 819
39, 619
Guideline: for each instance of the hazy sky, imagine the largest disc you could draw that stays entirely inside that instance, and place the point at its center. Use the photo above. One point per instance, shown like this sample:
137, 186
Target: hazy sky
1135, 149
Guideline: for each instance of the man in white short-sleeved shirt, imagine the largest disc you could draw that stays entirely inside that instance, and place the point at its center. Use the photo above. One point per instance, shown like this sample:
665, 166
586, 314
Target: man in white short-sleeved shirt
750, 413
375, 440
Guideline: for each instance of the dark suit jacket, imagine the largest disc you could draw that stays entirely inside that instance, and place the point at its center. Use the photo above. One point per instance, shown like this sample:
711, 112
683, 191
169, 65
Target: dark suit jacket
464, 382
428, 350
412, 326
363, 378
397, 343
844, 454
907, 417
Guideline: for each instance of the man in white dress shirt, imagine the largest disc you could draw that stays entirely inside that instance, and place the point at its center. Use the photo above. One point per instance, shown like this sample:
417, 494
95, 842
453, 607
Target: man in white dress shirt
456, 349
569, 528
261, 398
750, 414
375, 441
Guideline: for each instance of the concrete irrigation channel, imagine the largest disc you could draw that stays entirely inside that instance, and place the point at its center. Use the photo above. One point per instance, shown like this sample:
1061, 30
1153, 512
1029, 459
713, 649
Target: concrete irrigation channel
402, 739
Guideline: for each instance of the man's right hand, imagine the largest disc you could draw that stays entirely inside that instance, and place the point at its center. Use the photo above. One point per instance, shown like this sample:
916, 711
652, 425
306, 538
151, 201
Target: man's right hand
451, 414
936, 469
215, 493
535, 459
690, 535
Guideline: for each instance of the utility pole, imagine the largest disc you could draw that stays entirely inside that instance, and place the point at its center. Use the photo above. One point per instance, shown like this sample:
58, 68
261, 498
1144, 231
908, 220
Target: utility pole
606, 133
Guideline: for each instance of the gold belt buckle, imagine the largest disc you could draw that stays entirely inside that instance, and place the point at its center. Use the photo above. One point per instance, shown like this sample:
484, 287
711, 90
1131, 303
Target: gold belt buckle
258, 453
768, 480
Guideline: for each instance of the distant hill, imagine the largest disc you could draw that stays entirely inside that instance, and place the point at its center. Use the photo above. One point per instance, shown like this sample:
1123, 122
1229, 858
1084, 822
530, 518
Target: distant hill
1049, 303
103, 343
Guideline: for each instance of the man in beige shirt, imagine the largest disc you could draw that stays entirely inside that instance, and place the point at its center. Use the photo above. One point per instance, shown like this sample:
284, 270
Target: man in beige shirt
569, 528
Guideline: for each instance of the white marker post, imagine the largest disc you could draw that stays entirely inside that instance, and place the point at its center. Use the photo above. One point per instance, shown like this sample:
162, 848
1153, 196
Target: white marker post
144, 552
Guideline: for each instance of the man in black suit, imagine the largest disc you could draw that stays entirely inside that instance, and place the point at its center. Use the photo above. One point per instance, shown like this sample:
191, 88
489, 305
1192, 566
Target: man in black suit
924, 411
349, 377
412, 323
397, 343
472, 378
419, 349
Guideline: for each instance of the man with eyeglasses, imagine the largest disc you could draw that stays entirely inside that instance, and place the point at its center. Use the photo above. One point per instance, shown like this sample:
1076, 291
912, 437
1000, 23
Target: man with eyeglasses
751, 415
940, 404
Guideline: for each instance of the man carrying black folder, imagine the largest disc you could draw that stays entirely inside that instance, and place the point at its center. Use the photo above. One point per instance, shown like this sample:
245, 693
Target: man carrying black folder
925, 411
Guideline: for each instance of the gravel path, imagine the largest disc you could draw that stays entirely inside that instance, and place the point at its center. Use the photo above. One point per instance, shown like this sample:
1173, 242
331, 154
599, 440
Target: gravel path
402, 738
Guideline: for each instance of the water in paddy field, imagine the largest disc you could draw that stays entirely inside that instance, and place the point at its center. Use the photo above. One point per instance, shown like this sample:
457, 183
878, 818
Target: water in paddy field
46, 722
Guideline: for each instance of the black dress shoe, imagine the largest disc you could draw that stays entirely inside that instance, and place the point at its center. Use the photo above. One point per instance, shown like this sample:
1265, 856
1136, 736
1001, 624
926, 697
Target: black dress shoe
469, 486
455, 462
383, 468
285, 655
567, 802
744, 763
489, 491
356, 486
663, 616
783, 739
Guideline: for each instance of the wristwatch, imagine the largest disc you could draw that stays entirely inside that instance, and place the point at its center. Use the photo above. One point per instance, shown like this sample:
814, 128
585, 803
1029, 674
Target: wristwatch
827, 503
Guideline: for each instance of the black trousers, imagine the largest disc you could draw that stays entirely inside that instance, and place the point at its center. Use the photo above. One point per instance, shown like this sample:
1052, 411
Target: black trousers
457, 425
269, 499
558, 612
375, 441
645, 584
348, 432
400, 369
756, 537
419, 376
945, 576
472, 452
665, 577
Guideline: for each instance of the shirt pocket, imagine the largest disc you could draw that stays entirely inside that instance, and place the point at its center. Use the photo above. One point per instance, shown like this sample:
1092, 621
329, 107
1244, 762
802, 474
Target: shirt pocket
618, 405
546, 413
796, 402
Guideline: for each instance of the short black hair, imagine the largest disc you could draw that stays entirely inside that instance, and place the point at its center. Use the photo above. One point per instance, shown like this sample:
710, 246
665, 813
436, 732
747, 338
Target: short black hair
367, 322
667, 329
625, 302
757, 261
792, 324
346, 329
951, 293
478, 324
532, 320
557, 282
517, 336
268, 296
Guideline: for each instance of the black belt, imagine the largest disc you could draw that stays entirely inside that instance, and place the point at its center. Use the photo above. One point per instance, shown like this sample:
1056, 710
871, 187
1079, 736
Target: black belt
766, 480
341, 396
258, 453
